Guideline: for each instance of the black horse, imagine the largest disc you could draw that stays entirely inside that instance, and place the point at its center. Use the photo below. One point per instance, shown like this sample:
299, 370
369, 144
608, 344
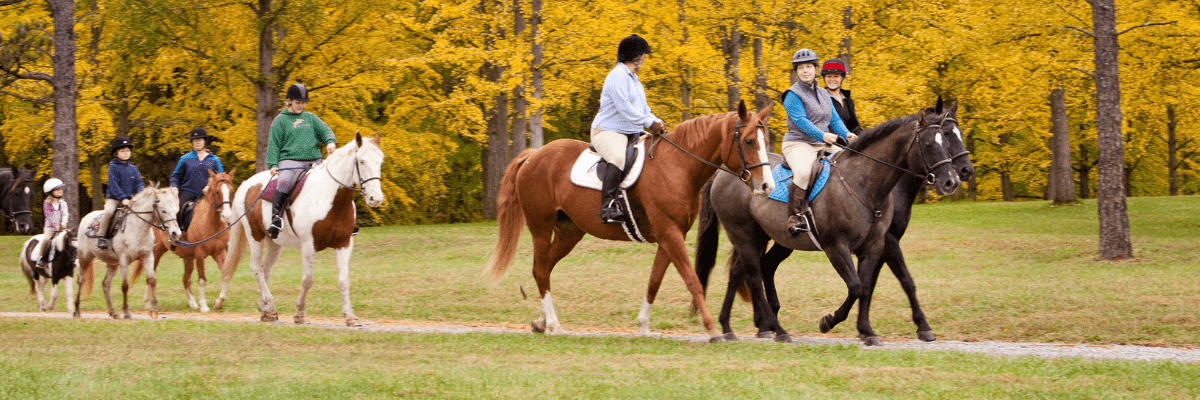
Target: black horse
852, 216
15, 196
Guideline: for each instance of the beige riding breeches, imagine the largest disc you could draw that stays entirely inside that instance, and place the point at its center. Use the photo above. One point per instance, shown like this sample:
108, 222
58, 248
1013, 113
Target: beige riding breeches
800, 156
611, 146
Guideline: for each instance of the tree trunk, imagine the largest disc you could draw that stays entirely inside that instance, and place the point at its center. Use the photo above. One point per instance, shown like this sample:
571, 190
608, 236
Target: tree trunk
495, 152
972, 185
537, 136
1115, 241
761, 99
1061, 190
845, 55
518, 122
1085, 172
1172, 151
1006, 188
65, 161
731, 46
685, 82
266, 99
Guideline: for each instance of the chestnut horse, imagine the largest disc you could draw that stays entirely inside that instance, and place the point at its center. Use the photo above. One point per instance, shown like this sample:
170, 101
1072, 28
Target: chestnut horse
211, 216
537, 192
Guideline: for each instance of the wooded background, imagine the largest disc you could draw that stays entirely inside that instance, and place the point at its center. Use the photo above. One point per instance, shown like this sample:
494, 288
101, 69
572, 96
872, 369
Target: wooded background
458, 89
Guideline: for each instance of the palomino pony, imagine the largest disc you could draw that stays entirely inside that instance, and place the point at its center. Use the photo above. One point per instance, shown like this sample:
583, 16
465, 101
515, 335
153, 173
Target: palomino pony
902, 201
15, 196
851, 215
537, 192
321, 216
212, 214
62, 268
153, 208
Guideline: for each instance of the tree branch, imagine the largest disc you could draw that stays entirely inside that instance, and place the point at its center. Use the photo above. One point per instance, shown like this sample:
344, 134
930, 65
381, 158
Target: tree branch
1145, 25
1089, 74
9, 2
1085, 32
29, 99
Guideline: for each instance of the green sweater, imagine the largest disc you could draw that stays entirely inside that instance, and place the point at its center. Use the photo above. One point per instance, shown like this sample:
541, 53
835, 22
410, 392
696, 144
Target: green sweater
297, 137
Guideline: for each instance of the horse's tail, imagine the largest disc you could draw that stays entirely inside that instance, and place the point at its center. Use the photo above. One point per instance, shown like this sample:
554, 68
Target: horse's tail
233, 252
25, 267
509, 219
707, 236
87, 279
738, 277
136, 271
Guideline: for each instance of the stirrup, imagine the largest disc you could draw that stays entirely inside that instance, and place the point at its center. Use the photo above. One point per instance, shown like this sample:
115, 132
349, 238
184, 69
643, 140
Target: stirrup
102, 243
800, 226
276, 226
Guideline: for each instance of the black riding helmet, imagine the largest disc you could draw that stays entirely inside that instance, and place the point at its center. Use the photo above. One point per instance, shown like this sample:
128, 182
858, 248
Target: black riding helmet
199, 133
631, 47
119, 143
297, 92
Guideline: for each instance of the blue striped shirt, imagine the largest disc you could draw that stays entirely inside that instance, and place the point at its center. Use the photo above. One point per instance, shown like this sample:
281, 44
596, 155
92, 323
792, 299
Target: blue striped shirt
623, 106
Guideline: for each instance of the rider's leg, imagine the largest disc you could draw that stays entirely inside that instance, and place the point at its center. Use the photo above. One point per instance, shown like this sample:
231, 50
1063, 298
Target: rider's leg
42, 250
110, 207
289, 172
800, 156
611, 146
184, 197
277, 205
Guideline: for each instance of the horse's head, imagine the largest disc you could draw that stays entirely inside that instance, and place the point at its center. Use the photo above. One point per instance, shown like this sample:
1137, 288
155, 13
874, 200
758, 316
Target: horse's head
931, 157
956, 147
17, 195
219, 192
163, 204
368, 168
748, 144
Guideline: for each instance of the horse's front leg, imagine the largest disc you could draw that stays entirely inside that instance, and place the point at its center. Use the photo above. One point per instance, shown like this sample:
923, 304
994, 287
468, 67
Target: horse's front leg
39, 285
308, 256
343, 267
203, 279
661, 262
672, 241
53, 296
189, 265
69, 281
262, 253
868, 271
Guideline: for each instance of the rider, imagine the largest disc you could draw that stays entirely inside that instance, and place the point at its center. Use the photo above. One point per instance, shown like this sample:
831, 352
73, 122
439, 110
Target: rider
811, 117
124, 181
191, 172
55, 210
834, 74
296, 137
623, 115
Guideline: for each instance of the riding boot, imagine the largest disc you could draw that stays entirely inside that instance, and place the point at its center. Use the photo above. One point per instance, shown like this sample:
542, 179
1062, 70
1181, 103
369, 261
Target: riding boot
277, 205
797, 205
610, 190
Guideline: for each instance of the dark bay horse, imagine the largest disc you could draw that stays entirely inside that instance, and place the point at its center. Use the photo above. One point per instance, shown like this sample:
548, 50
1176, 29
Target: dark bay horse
852, 215
903, 195
212, 214
537, 192
15, 197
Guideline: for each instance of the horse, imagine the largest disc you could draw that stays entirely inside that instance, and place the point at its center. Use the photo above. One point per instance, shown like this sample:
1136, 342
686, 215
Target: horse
132, 241
902, 201
15, 197
62, 268
852, 216
537, 193
212, 214
322, 216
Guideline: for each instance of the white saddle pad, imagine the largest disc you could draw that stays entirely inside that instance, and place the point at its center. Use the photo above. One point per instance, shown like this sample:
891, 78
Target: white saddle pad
583, 173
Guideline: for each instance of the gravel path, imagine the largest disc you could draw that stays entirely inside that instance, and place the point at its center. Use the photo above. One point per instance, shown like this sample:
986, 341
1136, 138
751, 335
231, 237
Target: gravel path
1117, 352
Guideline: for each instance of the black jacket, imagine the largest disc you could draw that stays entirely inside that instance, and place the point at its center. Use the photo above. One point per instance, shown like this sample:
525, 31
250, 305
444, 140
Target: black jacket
847, 112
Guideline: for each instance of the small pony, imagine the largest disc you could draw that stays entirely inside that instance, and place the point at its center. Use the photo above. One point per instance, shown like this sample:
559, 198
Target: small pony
62, 268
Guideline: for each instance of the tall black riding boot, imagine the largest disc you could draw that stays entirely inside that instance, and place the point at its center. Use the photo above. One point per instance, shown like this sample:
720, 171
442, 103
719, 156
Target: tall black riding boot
797, 203
277, 205
610, 190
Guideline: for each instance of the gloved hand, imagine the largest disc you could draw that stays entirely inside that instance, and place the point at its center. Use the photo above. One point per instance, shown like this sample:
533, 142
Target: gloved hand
829, 138
851, 137
330, 147
657, 127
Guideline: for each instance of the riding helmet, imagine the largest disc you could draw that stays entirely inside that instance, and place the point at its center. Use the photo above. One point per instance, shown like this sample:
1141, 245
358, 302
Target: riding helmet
631, 47
51, 184
833, 66
804, 56
119, 143
297, 92
199, 133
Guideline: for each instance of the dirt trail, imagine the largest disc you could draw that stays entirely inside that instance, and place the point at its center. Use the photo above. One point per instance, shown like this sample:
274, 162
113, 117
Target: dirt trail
1118, 352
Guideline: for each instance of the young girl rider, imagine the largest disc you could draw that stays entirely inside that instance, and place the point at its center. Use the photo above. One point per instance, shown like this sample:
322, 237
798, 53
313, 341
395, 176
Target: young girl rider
295, 143
55, 210
124, 181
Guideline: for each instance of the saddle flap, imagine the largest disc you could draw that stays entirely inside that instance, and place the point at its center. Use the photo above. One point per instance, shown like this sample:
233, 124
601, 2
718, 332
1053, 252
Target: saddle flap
584, 173
185, 214
268, 192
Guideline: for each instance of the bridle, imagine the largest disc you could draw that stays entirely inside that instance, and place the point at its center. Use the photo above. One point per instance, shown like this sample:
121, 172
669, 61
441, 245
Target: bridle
964, 152
357, 175
162, 223
745, 175
8, 205
928, 176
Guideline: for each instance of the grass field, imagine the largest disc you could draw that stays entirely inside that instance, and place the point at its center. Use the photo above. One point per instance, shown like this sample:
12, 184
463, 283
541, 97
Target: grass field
987, 271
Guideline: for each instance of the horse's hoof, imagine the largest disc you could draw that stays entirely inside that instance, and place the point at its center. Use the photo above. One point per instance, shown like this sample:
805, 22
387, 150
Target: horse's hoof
925, 336
220, 303
300, 320
270, 317
871, 340
353, 322
729, 337
204, 309
536, 328
76, 314
127, 316
154, 315
720, 338
766, 334
826, 323
784, 338
114, 315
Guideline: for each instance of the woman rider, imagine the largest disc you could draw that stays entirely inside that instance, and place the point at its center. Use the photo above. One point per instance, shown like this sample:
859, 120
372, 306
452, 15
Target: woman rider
833, 72
295, 144
811, 118
623, 115
191, 172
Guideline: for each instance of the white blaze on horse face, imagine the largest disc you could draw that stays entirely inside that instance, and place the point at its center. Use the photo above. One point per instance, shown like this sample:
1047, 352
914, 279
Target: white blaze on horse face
768, 180
227, 206
959, 133
938, 139
27, 191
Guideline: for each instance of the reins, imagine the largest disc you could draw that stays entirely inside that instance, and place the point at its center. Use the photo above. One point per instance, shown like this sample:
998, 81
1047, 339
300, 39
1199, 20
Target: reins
929, 177
745, 176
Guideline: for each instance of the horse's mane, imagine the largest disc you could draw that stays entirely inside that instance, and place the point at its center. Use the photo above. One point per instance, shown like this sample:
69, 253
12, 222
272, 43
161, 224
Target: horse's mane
872, 135
146, 191
692, 132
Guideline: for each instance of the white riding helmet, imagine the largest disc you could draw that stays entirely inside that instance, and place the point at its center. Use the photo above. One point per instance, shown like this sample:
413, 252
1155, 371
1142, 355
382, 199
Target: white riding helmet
51, 184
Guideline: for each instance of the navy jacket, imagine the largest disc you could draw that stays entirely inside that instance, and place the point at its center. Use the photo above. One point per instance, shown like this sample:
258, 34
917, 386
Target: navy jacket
191, 173
124, 180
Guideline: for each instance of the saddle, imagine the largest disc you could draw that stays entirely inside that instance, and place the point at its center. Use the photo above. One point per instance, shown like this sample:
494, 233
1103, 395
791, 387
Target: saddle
117, 223
185, 214
782, 174
268, 192
585, 171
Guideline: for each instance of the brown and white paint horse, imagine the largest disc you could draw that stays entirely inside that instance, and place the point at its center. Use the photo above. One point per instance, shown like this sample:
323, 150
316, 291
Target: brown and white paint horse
537, 192
212, 214
153, 208
321, 217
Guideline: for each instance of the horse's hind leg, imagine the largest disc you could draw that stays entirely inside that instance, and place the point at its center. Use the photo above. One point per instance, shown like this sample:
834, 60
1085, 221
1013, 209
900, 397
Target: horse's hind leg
108, 277
308, 255
657, 272
549, 247
769, 265
70, 287
894, 256
839, 257
83, 268
40, 286
189, 265
53, 297
203, 280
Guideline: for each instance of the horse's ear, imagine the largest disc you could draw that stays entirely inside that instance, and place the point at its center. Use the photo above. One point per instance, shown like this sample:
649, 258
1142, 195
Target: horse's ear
211, 173
357, 139
763, 113
954, 108
742, 109
231, 172
938, 107
921, 116
378, 141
